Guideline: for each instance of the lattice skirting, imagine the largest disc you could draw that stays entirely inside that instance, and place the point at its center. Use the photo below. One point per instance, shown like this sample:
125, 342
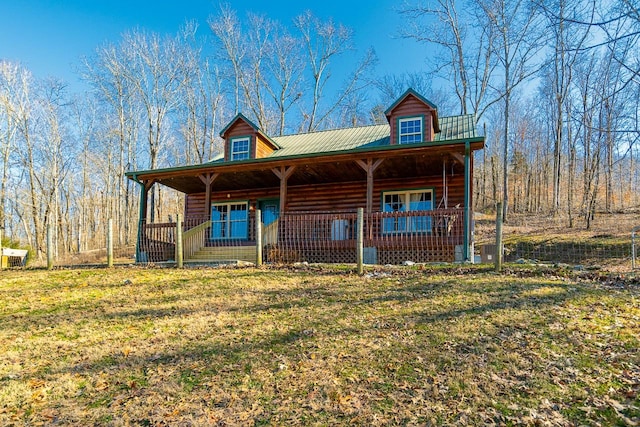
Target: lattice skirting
348, 256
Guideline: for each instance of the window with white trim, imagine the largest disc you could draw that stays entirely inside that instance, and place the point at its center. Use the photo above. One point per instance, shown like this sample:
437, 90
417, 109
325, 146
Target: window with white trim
407, 201
240, 148
410, 130
229, 220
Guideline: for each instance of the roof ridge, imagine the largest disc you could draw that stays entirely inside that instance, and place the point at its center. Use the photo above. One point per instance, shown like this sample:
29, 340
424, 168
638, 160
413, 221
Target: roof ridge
456, 115
329, 130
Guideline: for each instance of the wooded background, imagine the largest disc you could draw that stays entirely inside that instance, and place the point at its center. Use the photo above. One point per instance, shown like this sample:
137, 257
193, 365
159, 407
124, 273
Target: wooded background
555, 85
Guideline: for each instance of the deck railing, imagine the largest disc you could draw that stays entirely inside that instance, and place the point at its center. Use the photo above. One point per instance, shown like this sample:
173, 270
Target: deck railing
389, 238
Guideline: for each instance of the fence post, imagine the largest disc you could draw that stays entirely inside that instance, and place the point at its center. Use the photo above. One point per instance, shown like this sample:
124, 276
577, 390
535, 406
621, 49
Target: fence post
49, 248
258, 237
360, 243
179, 254
110, 243
499, 252
633, 247
1, 254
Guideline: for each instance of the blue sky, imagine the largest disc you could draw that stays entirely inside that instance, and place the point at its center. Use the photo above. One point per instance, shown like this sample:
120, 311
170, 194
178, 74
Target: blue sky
49, 36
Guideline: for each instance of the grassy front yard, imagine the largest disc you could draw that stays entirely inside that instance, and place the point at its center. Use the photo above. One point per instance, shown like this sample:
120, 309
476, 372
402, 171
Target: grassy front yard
317, 347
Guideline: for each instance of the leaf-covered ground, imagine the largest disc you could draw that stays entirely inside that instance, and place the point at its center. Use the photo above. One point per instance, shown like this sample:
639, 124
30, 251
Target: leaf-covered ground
318, 346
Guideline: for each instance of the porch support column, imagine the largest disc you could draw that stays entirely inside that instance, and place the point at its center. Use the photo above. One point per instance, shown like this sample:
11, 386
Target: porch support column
369, 167
283, 172
145, 186
208, 179
468, 237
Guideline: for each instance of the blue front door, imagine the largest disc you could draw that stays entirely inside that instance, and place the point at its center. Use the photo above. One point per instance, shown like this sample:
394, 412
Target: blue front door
270, 210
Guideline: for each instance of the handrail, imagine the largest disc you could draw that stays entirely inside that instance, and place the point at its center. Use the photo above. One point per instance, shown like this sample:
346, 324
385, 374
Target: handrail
193, 239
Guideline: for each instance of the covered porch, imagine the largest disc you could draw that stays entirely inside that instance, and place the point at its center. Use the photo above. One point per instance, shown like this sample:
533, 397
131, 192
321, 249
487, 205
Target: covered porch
311, 204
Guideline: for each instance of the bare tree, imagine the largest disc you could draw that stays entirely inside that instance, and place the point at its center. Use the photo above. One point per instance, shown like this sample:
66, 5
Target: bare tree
9, 81
567, 40
106, 72
274, 71
157, 72
515, 23
285, 66
199, 113
227, 28
323, 42
466, 55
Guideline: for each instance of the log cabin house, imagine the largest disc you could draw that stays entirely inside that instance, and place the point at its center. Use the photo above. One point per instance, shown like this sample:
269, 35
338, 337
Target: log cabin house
412, 176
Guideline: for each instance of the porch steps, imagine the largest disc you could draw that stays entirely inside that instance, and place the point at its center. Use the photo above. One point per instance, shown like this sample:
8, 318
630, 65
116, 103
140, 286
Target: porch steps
224, 253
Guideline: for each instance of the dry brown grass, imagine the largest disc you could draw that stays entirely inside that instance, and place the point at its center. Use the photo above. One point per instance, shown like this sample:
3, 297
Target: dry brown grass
318, 346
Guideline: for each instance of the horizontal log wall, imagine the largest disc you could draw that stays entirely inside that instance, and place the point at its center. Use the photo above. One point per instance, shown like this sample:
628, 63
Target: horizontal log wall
329, 197
263, 148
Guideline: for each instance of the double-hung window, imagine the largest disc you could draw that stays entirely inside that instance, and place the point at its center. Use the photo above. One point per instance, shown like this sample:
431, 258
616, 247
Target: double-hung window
240, 148
410, 130
229, 220
399, 202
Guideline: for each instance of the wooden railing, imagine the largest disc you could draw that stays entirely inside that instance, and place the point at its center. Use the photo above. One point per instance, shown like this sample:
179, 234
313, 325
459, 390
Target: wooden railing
194, 239
157, 242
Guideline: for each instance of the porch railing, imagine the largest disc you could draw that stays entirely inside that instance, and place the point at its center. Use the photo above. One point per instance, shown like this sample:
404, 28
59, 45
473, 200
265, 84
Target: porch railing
389, 238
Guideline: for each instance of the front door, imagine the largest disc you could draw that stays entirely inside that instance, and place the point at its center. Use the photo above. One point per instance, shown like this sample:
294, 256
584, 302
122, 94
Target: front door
270, 210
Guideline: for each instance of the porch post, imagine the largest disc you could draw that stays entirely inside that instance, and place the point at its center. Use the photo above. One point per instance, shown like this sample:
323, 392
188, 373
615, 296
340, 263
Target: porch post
208, 180
467, 203
369, 167
258, 237
284, 172
142, 216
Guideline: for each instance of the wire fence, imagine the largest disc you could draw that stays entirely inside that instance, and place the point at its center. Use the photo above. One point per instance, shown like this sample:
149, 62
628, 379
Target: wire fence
606, 243
388, 238
315, 237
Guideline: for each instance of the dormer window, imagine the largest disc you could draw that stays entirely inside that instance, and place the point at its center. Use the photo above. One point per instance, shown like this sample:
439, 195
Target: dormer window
240, 148
410, 130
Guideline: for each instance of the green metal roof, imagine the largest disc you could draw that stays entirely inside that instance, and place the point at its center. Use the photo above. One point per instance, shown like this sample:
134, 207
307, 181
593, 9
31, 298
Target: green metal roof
332, 140
457, 127
451, 128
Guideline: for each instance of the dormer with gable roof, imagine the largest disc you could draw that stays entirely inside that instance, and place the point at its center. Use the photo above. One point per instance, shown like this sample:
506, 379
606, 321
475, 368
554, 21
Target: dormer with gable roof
412, 119
243, 140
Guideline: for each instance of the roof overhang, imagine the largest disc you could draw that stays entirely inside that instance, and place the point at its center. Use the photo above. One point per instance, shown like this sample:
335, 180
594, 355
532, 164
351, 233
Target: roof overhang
256, 173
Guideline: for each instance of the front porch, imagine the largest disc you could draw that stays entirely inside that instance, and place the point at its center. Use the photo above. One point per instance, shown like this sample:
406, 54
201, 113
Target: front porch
326, 237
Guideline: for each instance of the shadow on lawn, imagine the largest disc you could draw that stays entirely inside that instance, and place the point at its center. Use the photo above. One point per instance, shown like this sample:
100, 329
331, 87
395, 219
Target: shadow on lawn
330, 305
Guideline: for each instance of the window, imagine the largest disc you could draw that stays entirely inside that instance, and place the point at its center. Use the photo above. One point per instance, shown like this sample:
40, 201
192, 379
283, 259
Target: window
410, 130
240, 148
229, 220
407, 201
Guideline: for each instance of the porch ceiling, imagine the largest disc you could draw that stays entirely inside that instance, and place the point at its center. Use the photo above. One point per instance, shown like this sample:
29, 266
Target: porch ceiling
317, 171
